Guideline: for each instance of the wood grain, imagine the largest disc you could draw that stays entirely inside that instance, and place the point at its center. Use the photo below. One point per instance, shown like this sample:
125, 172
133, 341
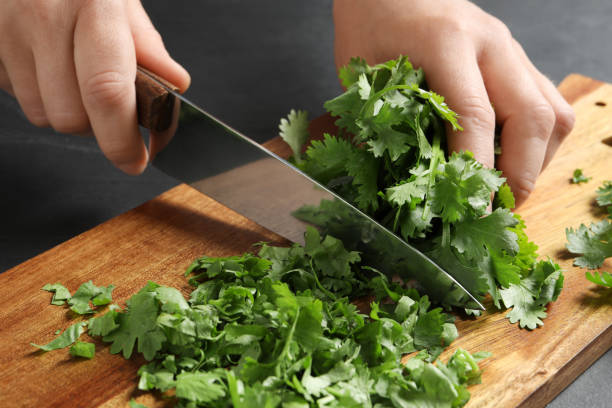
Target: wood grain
159, 239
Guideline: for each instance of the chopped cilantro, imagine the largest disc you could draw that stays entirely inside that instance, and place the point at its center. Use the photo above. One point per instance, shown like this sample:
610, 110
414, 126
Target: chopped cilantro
578, 177
65, 339
60, 293
594, 243
603, 278
277, 329
83, 349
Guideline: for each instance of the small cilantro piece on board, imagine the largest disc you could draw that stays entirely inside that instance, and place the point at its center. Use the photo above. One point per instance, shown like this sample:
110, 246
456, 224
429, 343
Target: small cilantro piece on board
578, 177
65, 339
83, 349
60, 293
88, 292
604, 194
592, 243
602, 279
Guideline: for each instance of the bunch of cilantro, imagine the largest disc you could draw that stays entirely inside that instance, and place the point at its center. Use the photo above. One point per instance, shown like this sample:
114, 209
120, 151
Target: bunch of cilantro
389, 160
594, 243
278, 329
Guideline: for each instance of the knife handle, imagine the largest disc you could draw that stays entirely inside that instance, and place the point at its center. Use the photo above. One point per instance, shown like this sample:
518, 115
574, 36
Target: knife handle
154, 102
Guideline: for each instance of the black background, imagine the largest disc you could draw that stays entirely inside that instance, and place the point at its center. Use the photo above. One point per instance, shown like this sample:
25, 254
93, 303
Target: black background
251, 62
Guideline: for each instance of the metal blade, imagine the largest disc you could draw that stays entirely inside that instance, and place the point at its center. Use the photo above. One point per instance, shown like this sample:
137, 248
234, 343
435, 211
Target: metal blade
246, 177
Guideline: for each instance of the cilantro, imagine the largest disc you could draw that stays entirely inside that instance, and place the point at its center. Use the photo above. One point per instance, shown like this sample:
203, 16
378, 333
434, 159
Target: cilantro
79, 302
88, 292
278, 329
60, 293
138, 324
388, 159
83, 349
530, 297
603, 278
604, 194
593, 243
294, 131
65, 339
578, 177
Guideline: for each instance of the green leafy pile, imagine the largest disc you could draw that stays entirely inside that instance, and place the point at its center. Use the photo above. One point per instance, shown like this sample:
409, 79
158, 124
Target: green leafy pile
594, 243
278, 329
389, 160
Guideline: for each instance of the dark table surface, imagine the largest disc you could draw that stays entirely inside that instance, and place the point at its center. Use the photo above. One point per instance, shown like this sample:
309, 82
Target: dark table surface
251, 62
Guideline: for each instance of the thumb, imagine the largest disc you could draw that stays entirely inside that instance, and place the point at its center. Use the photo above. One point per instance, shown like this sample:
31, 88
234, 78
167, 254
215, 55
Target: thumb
150, 50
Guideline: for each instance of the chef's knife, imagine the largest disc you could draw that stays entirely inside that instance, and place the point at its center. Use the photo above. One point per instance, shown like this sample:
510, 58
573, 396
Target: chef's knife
253, 181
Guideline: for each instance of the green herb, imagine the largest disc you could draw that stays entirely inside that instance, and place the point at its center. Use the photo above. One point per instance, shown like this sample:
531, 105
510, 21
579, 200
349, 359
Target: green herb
65, 339
79, 302
578, 177
603, 278
88, 292
60, 293
604, 196
83, 349
278, 330
389, 160
594, 243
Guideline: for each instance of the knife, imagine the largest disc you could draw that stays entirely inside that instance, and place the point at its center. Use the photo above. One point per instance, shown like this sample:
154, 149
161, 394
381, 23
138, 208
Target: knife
243, 175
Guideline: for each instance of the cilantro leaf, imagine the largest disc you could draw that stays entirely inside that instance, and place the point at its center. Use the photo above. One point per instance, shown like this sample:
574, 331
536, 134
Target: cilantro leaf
103, 325
83, 349
199, 387
604, 194
603, 278
294, 131
138, 323
592, 243
65, 339
474, 237
530, 297
578, 177
60, 293
98, 295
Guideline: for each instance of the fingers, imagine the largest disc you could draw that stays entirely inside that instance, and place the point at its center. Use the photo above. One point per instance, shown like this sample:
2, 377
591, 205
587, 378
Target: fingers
5, 83
456, 75
21, 74
526, 116
150, 49
56, 74
152, 54
105, 62
564, 114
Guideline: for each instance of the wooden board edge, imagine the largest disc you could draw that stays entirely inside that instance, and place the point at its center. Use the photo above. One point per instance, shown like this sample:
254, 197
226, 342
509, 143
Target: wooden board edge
575, 86
557, 382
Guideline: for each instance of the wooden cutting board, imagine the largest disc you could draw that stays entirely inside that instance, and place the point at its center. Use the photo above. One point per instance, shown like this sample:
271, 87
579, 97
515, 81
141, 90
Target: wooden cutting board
159, 239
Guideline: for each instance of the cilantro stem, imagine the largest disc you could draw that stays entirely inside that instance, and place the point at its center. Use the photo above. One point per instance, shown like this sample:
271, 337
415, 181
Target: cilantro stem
285, 350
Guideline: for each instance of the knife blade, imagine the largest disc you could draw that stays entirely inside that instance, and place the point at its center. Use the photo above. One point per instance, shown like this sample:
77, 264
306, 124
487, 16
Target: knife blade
243, 175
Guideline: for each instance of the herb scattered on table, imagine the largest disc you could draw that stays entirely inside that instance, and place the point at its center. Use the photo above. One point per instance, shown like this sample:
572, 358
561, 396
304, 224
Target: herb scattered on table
278, 329
388, 159
578, 177
594, 243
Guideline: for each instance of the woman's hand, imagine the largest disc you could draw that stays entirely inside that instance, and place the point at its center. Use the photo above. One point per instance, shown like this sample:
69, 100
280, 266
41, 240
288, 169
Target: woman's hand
471, 58
71, 64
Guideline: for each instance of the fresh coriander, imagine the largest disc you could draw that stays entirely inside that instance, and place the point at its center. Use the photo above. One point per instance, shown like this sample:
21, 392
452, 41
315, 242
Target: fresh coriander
389, 160
578, 177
